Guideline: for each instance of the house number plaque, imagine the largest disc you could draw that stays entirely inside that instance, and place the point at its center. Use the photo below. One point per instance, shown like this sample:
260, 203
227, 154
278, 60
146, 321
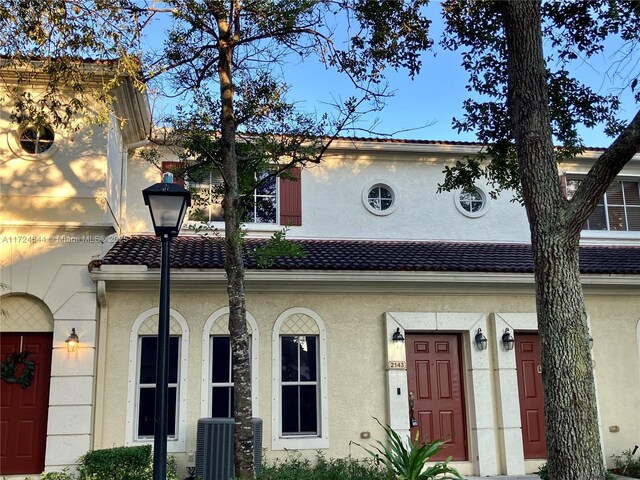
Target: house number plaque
395, 365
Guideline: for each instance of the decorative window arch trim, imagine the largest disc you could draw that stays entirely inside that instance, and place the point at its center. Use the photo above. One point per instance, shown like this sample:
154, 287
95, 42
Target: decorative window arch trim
17, 304
279, 442
179, 444
205, 390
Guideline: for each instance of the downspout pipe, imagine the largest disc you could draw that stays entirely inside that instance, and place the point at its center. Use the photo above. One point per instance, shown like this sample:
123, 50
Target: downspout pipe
101, 366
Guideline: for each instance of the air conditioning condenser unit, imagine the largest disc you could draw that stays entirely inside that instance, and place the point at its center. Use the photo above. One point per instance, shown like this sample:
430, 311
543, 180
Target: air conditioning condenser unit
214, 448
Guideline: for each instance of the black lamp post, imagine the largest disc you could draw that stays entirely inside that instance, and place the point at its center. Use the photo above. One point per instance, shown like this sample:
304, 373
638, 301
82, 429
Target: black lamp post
168, 204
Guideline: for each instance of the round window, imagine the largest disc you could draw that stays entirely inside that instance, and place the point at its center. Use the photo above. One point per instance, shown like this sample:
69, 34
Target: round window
36, 139
472, 203
379, 198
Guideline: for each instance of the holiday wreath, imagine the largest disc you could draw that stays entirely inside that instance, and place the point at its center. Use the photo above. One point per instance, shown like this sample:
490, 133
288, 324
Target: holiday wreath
9, 369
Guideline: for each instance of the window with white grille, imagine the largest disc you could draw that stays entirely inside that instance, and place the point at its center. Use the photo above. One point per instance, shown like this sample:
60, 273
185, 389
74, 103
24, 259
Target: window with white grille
617, 210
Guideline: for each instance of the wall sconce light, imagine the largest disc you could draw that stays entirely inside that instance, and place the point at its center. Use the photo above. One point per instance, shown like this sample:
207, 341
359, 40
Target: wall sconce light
481, 340
72, 341
507, 340
398, 338
590, 342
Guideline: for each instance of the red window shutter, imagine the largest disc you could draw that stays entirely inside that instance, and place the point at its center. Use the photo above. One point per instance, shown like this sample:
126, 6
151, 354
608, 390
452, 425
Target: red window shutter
173, 167
563, 184
291, 199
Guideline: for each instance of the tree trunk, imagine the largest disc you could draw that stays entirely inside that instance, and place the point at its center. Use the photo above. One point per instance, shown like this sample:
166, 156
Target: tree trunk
234, 266
573, 443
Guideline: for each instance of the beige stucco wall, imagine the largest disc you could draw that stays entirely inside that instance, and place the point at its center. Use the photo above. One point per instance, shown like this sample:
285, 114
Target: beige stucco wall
56, 215
412, 171
356, 355
616, 354
66, 183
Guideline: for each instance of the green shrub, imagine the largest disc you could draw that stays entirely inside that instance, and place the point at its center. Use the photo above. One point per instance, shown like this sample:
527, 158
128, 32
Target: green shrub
543, 472
408, 462
297, 468
63, 475
627, 464
121, 463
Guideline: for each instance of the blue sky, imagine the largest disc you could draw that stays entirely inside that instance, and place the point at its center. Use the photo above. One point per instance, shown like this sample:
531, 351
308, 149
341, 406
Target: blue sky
423, 108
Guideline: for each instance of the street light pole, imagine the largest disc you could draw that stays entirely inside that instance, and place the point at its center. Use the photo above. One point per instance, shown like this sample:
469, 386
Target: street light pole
162, 368
168, 204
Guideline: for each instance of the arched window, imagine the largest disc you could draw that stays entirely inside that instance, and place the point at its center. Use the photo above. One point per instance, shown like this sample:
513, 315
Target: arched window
299, 386
217, 382
142, 380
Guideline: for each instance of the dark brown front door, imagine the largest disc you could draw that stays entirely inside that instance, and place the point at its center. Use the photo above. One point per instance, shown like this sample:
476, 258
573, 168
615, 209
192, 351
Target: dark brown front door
23, 411
531, 396
435, 384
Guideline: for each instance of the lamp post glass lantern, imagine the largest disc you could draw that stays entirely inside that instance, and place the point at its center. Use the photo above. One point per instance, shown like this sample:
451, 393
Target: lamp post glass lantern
167, 204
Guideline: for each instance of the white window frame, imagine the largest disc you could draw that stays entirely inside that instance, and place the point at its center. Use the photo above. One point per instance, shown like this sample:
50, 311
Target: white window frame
384, 184
605, 203
205, 188
219, 223
299, 442
276, 197
485, 202
206, 384
177, 444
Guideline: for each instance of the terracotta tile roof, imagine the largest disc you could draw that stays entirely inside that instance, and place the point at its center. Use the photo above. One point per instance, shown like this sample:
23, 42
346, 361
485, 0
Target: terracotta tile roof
198, 252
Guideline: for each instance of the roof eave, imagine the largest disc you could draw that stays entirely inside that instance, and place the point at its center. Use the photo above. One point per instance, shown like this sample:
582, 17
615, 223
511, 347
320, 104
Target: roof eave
140, 277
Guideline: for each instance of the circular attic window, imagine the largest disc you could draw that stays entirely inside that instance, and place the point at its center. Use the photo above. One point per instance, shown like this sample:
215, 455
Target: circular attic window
36, 139
472, 203
380, 198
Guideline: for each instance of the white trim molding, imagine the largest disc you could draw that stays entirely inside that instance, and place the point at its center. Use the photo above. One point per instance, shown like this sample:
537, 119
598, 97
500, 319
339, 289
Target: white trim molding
278, 441
638, 340
205, 389
179, 443
479, 404
510, 425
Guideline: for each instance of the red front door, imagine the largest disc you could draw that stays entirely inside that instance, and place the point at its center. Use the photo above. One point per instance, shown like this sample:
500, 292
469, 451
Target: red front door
435, 384
531, 396
23, 411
